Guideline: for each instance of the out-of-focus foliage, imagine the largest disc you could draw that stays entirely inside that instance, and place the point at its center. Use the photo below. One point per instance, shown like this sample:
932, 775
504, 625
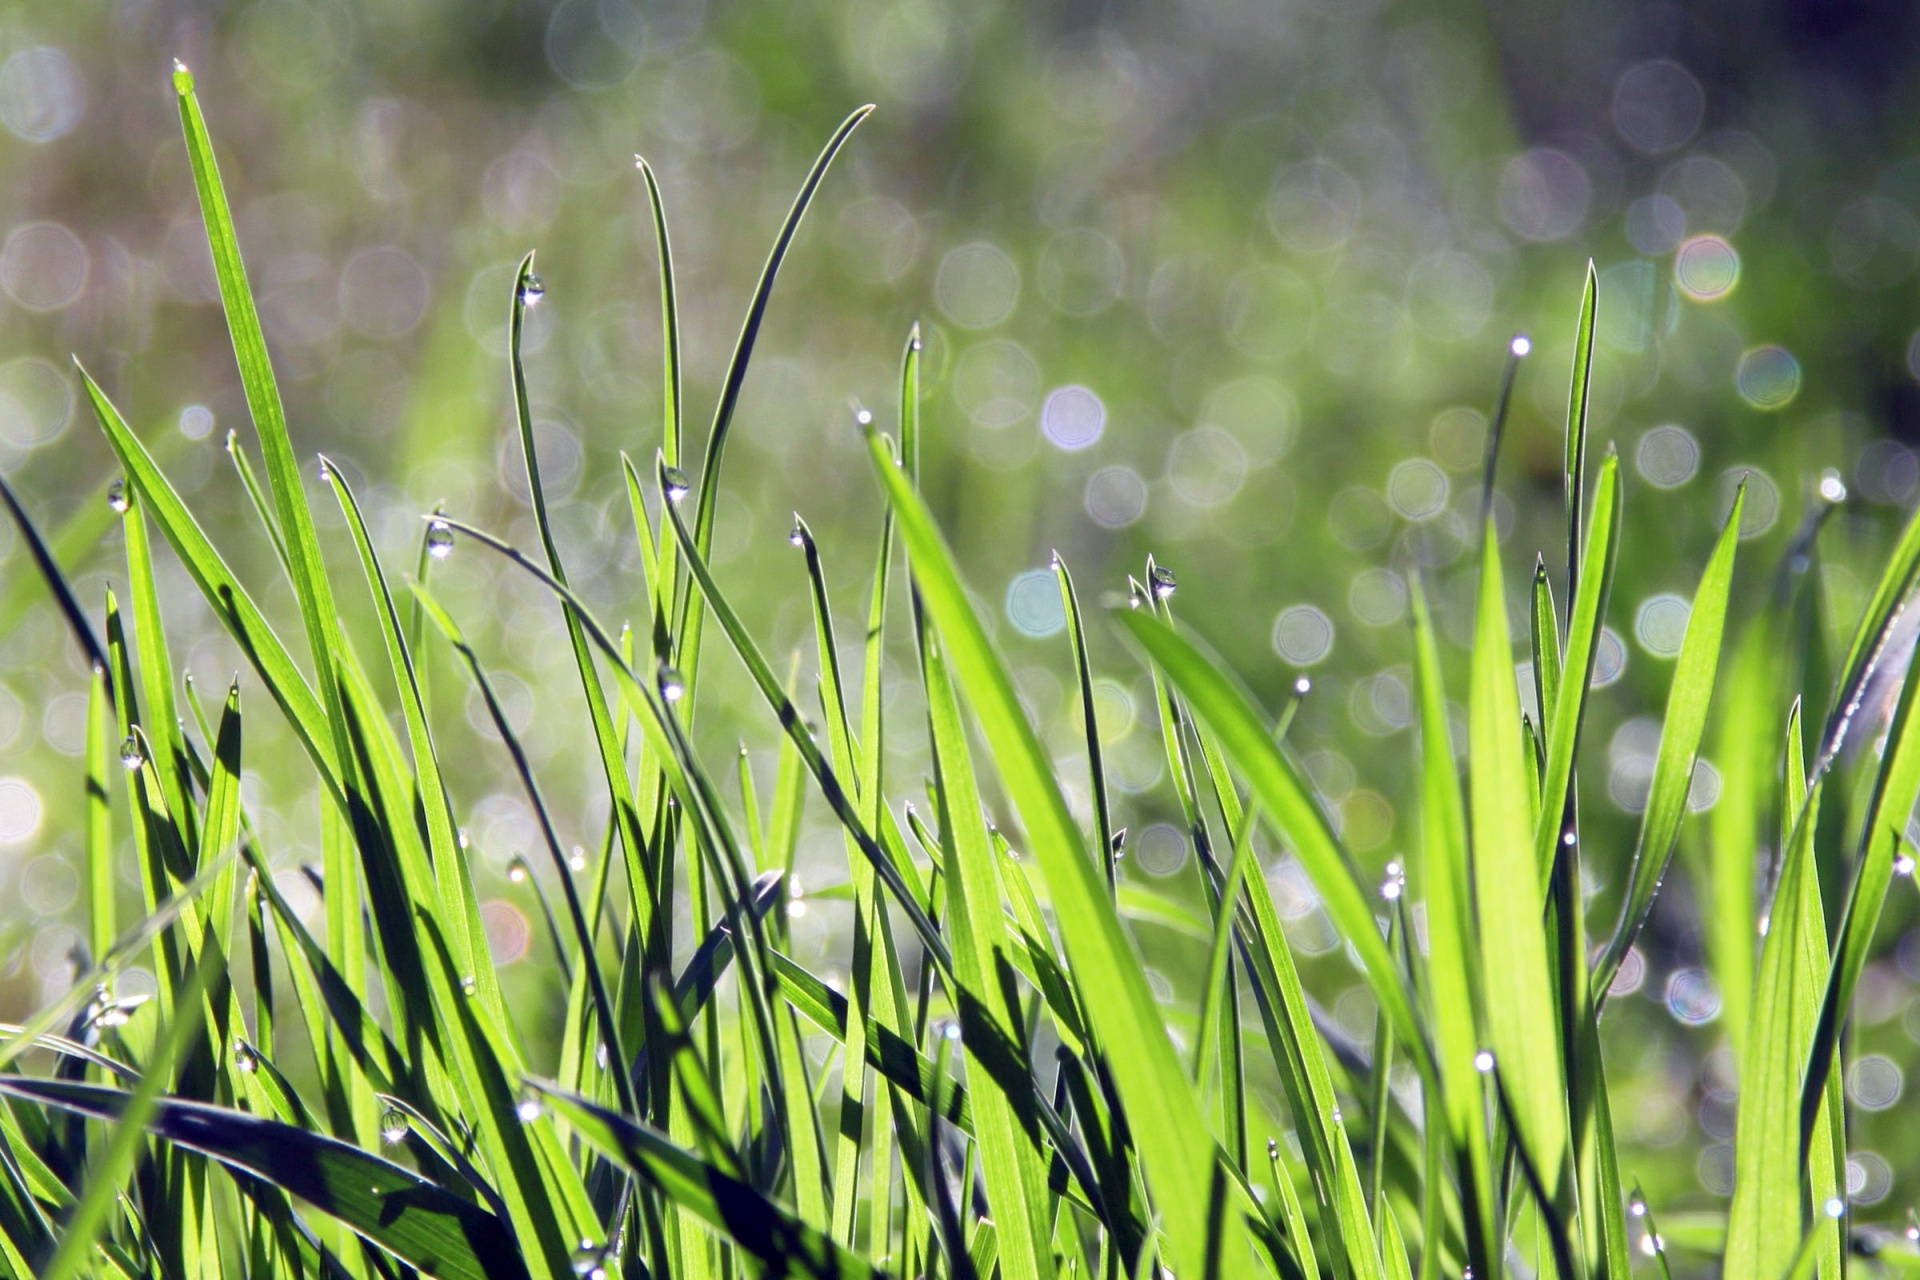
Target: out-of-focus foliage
1224, 281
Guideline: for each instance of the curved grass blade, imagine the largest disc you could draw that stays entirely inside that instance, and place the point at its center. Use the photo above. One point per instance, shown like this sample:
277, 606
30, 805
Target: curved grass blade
1686, 721
1288, 800
56, 581
1579, 393
1076, 635
402, 1213
761, 1228
689, 623
1176, 1151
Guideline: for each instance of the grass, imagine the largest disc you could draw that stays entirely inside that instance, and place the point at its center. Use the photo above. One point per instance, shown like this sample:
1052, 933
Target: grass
1004, 1095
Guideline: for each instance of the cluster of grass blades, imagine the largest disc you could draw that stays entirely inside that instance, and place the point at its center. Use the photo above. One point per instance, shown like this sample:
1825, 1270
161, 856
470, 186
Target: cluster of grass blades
1008, 1099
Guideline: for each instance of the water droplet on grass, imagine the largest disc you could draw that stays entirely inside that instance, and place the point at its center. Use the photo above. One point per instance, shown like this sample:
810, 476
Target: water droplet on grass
243, 1059
1636, 1205
673, 686
1483, 1061
677, 484
130, 754
532, 289
439, 540
117, 499
1162, 580
469, 985
394, 1126
517, 869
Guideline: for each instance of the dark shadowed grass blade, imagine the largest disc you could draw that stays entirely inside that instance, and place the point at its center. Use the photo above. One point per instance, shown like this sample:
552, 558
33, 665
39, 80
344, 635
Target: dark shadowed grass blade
1176, 1151
1508, 888
43, 560
113, 1165
688, 627
1686, 721
758, 1226
670, 442
1102, 819
423, 1225
99, 823
1287, 799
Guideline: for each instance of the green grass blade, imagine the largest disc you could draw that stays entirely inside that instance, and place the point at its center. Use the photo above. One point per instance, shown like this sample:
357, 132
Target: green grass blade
1686, 722
1441, 879
1076, 635
1175, 1148
1587, 609
1522, 1027
766, 1232
1579, 393
1286, 798
399, 1211
49, 567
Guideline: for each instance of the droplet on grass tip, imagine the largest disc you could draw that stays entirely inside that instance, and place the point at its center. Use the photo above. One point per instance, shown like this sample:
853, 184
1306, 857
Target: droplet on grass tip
577, 860
1834, 1207
798, 535
1636, 1205
326, 472
529, 1109
1302, 687
117, 499
517, 869
1832, 488
590, 1261
394, 1126
1273, 1148
1395, 882
1520, 345
677, 484
532, 289
1652, 1245
673, 686
439, 540
1162, 580
243, 1060
1483, 1061
130, 754
1903, 865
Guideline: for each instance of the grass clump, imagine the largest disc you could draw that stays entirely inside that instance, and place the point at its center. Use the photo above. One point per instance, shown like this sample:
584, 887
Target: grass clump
1004, 1095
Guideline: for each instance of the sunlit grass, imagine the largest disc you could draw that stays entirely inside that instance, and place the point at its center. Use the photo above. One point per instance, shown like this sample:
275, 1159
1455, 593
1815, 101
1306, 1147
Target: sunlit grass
1010, 1091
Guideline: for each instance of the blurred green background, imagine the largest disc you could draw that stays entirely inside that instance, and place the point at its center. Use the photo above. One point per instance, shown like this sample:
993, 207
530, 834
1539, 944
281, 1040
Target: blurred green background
1227, 281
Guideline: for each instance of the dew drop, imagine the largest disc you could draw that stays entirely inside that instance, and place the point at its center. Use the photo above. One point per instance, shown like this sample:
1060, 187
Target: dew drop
243, 1060
798, 537
590, 1261
1765, 921
517, 869
863, 417
1567, 838
1903, 865
532, 289
233, 440
1162, 581
130, 754
1302, 687
673, 686
1336, 1117
914, 343
439, 540
529, 1109
1394, 884
394, 1126
1835, 1207
951, 1031
117, 496
469, 985
678, 486
1636, 1206
1483, 1061
1832, 488
1913, 1234
326, 472
577, 860
1273, 1148
1521, 344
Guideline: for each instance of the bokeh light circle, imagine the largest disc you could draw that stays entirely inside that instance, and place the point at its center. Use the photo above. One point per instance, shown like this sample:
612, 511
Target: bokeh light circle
1033, 603
1768, 378
42, 96
1660, 624
1072, 417
1667, 457
1302, 634
1417, 489
977, 285
1657, 105
1706, 268
1206, 466
20, 811
1543, 194
1115, 496
43, 266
